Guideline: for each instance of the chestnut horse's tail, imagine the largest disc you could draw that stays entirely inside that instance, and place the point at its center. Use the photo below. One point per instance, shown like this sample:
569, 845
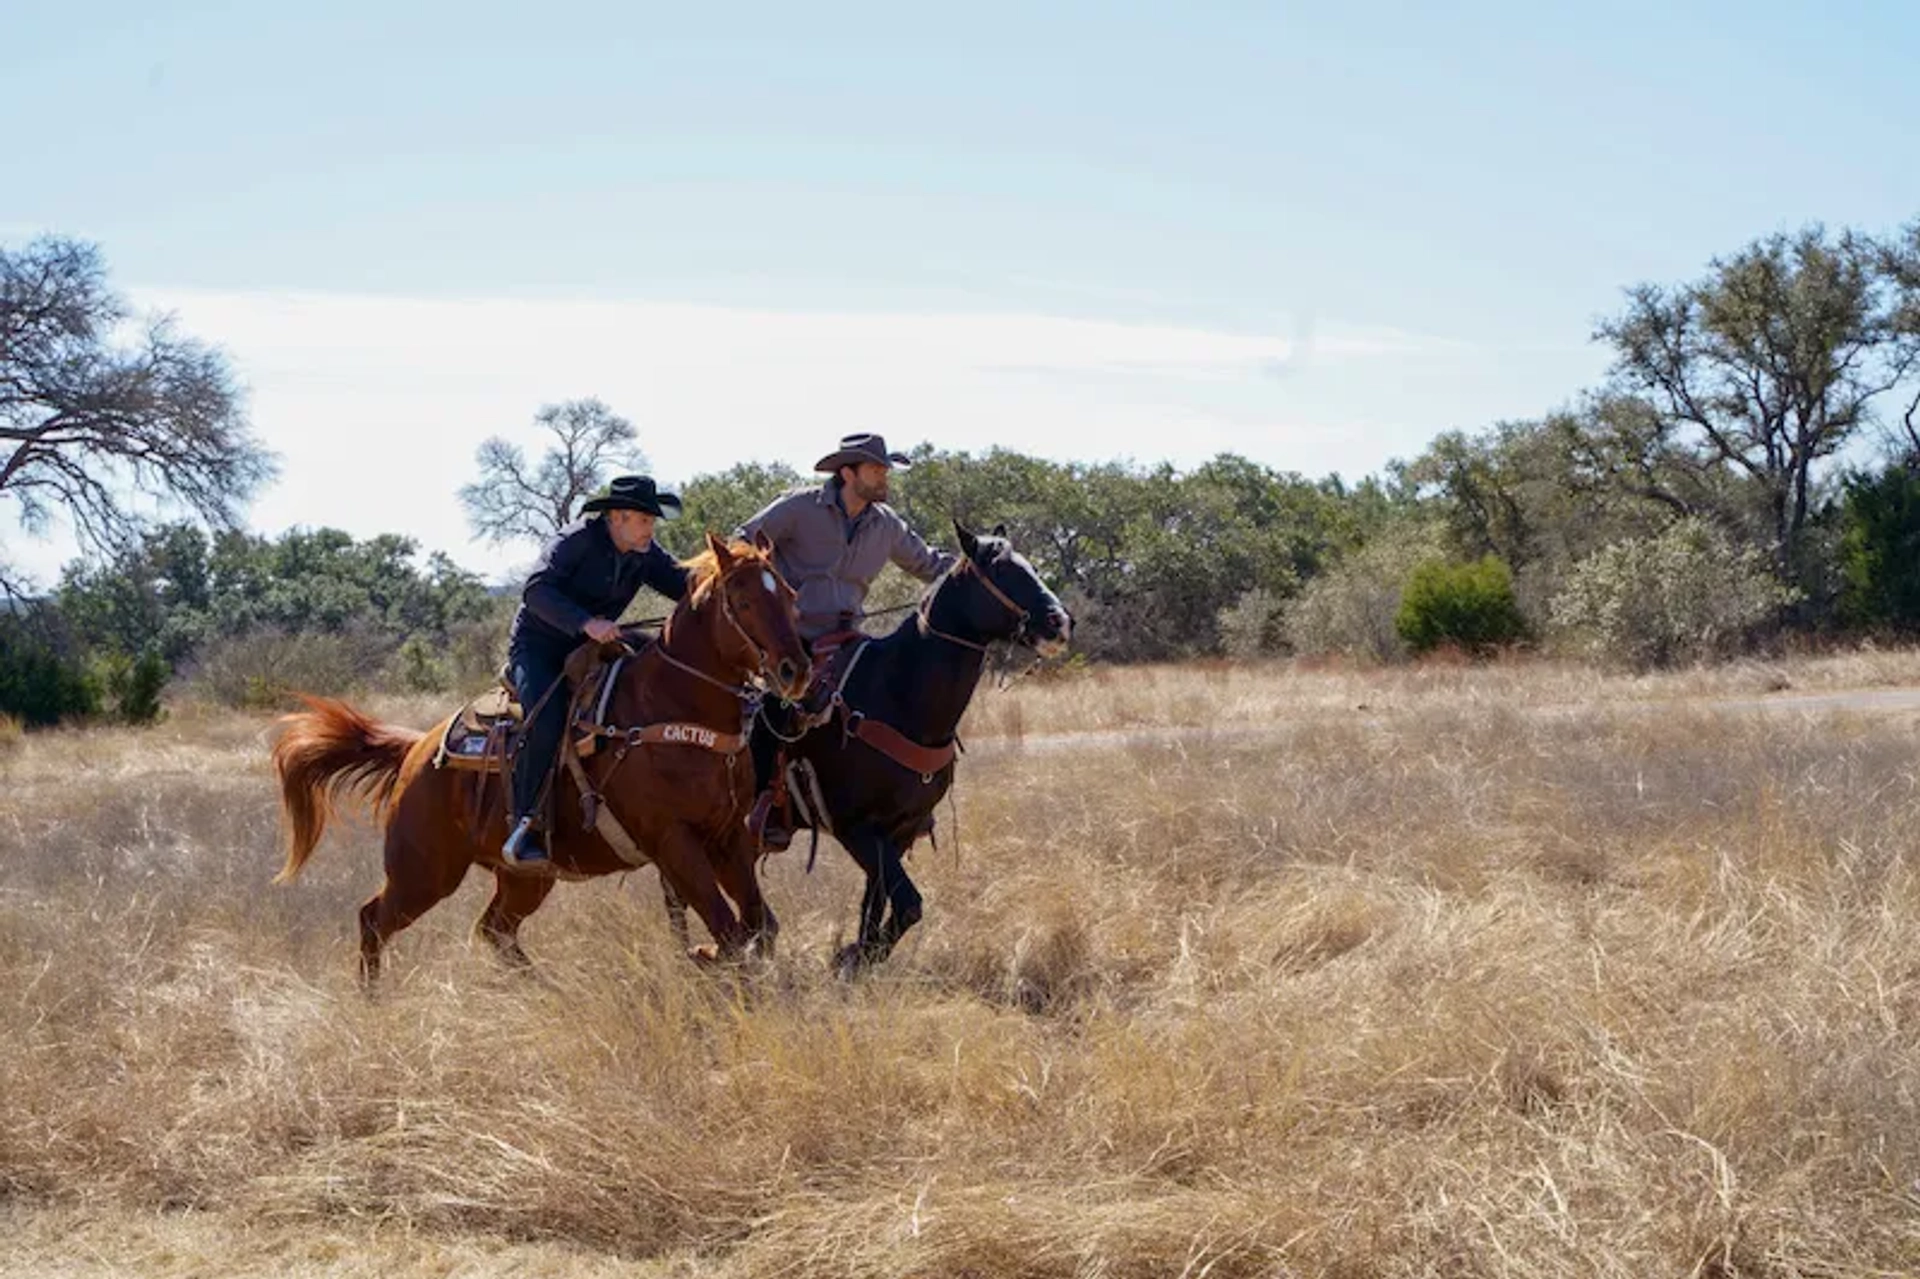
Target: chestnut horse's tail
326, 751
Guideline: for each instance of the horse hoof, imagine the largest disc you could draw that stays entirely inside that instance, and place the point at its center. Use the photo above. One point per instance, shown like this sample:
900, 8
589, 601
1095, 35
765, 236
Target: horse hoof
848, 963
706, 955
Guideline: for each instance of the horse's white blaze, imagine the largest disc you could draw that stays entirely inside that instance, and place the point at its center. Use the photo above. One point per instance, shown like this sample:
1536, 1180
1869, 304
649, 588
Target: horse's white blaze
766, 580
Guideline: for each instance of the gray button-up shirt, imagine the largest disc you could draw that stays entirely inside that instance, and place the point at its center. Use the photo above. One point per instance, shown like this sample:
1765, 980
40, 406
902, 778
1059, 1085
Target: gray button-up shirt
831, 560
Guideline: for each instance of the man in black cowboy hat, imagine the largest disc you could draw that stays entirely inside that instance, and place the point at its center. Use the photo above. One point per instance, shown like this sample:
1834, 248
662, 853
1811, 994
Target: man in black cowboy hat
586, 577
829, 543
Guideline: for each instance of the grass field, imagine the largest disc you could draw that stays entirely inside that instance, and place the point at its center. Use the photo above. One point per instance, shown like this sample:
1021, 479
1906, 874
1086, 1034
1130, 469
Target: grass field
1447, 971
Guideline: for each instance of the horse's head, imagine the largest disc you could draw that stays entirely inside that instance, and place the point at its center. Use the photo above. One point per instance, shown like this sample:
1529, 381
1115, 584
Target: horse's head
1010, 602
756, 612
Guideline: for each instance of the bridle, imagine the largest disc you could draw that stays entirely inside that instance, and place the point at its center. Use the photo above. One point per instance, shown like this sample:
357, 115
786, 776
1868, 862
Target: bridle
967, 565
764, 671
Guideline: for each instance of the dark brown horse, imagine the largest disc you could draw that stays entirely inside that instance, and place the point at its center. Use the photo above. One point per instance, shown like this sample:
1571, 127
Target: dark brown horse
680, 791
885, 757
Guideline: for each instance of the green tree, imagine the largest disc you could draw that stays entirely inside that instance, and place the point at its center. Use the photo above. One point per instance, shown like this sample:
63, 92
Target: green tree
43, 679
1759, 372
1535, 494
1489, 488
1880, 549
1150, 560
722, 502
324, 580
154, 597
131, 686
254, 615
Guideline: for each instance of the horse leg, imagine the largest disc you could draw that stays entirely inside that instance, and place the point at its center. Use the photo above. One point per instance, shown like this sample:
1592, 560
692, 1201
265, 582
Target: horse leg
414, 886
676, 913
887, 885
903, 900
515, 896
682, 860
736, 872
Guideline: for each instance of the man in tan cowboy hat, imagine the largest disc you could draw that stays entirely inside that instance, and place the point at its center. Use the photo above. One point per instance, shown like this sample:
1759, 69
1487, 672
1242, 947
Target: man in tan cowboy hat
829, 543
586, 577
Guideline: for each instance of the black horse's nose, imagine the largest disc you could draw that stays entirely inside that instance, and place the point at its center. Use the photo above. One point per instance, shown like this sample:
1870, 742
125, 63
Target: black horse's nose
1061, 621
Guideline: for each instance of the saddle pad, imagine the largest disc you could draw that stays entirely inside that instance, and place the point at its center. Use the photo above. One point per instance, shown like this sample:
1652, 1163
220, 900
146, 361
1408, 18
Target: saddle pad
475, 735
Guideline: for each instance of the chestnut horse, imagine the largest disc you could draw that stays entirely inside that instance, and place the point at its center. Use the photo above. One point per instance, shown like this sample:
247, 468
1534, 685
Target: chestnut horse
681, 793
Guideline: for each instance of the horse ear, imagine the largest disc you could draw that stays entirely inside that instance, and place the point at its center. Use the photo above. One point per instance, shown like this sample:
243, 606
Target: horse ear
999, 530
761, 542
968, 542
718, 545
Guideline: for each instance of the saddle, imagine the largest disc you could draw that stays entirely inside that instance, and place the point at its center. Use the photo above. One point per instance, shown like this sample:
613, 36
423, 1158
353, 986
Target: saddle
833, 657
835, 654
480, 735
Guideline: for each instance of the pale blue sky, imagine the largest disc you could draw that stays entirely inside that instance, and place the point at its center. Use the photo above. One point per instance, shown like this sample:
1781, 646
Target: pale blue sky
1087, 231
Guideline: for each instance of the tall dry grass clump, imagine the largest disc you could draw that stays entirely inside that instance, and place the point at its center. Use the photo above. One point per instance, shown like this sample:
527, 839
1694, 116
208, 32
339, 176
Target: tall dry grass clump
1468, 988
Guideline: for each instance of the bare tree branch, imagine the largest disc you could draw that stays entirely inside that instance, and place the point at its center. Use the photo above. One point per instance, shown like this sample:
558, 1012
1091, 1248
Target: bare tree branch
86, 423
512, 500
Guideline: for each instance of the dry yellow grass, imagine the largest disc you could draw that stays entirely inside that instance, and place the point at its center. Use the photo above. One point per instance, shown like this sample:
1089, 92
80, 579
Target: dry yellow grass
1463, 989
1236, 695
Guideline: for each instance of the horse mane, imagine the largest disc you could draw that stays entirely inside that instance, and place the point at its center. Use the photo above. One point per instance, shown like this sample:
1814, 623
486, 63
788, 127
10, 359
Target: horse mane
703, 570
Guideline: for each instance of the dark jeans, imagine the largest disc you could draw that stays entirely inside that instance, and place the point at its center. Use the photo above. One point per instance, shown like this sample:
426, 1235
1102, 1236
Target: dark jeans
534, 671
763, 747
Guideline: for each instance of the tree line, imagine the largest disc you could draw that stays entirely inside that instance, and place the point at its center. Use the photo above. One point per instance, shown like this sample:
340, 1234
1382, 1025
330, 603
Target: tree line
1747, 470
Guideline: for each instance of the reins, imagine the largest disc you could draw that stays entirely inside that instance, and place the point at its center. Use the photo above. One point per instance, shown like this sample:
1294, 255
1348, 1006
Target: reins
743, 692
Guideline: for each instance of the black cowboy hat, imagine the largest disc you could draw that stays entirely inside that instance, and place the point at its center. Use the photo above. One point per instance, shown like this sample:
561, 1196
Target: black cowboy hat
855, 449
634, 493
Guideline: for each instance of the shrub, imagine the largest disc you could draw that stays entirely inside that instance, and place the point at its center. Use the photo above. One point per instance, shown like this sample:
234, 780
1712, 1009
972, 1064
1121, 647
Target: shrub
419, 668
261, 669
1254, 625
132, 685
1349, 609
1686, 595
476, 650
1467, 605
39, 684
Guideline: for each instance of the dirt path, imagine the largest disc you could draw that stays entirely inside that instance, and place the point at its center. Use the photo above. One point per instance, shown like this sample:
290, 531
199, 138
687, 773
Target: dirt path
1859, 701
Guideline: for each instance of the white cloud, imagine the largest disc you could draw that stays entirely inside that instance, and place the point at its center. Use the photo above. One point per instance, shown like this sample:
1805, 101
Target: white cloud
376, 404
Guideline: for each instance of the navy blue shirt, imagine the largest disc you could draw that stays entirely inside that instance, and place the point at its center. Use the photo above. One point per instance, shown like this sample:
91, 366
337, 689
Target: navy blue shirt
582, 575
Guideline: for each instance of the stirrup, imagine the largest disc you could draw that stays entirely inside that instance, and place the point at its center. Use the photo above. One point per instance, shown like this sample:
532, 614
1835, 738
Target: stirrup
523, 845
